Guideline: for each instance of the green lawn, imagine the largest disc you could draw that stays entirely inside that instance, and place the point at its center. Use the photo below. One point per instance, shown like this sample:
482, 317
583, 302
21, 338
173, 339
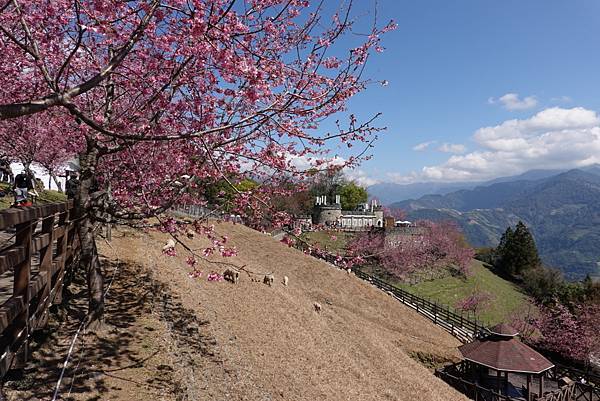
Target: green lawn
325, 240
507, 297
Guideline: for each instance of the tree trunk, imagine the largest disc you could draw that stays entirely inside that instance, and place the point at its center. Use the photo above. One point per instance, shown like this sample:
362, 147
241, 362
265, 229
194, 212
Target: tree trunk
89, 254
58, 183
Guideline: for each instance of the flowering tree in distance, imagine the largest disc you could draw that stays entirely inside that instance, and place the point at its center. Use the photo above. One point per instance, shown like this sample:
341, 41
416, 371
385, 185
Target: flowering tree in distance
572, 334
162, 98
475, 302
36, 139
431, 246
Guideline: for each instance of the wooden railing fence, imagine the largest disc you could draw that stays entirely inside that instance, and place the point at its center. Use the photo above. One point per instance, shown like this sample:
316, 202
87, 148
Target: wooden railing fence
585, 392
37, 247
565, 393
457, 376
471, 389
457, 324
588, 376
196, 211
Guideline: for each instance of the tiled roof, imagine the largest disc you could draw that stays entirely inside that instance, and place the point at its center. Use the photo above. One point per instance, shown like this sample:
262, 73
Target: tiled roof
504, 330
505, 353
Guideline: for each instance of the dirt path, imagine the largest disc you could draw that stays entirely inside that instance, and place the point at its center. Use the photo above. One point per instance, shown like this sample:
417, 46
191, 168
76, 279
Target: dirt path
178, 338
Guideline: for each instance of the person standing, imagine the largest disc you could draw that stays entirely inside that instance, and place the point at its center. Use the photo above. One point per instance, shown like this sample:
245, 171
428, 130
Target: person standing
21, 187
72, 185
5, 171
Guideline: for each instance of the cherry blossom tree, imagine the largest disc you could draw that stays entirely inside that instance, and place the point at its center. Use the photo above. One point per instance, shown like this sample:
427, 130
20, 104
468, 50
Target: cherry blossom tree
570, 333
37, 139
430, 246
161, 98
475, 302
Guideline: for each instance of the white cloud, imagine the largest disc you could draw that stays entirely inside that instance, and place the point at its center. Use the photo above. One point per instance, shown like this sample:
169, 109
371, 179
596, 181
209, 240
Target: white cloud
555, 138
360, 177
456, 148
423, 146
512, 101
303, 162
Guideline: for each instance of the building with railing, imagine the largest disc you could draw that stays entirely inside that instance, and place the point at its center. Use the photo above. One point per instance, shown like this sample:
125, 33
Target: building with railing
364, 217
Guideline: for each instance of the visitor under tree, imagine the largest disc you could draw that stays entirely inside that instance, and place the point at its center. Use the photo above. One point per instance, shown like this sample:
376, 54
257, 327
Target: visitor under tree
6, 174
72, 185
21, 187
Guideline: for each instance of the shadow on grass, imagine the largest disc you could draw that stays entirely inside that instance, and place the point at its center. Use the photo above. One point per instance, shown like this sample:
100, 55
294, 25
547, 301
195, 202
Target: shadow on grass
133, 298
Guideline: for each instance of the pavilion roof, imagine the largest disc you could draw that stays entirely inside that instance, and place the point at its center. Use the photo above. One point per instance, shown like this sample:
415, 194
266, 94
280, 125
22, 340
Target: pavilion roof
504, 329
502, 351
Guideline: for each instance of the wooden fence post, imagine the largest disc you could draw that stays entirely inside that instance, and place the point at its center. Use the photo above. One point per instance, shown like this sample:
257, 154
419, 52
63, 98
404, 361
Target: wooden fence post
61, 250
46, 269
22, 277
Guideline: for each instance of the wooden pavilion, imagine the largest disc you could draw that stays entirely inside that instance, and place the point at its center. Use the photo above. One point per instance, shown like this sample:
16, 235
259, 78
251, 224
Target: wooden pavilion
502, 352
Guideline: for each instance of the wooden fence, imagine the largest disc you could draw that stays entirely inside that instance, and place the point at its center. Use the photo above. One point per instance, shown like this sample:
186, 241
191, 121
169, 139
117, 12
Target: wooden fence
588, 376
575, 391
456, 324
37, 246
196, 211
456, 375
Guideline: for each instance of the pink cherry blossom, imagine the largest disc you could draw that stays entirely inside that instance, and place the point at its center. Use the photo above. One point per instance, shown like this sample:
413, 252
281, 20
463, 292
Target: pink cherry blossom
162, 99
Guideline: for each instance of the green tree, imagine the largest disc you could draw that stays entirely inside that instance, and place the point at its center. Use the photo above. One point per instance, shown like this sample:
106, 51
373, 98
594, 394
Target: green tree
503, 259
526, 254
222, 194
543, 283
517, 252
351, 195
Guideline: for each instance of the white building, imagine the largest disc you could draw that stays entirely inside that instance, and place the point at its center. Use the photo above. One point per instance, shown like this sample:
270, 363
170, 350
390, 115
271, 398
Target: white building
332, 215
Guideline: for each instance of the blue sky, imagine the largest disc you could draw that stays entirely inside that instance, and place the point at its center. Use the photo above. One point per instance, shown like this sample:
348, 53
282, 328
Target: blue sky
450, 65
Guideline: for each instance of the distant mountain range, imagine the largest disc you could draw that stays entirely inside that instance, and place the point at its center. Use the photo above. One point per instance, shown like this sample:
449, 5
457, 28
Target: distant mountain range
562, 208
388, 192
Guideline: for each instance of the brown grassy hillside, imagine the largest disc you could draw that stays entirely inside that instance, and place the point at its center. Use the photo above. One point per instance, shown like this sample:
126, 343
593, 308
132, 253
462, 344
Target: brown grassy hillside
252, 342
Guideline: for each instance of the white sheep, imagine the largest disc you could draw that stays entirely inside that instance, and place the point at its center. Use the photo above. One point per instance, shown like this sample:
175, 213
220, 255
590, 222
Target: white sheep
231, 275
285, 280
269, 279
317, 307
169, 245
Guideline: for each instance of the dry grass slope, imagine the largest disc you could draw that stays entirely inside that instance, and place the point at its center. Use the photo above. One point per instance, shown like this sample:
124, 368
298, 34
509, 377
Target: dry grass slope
278, 347
260, 342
